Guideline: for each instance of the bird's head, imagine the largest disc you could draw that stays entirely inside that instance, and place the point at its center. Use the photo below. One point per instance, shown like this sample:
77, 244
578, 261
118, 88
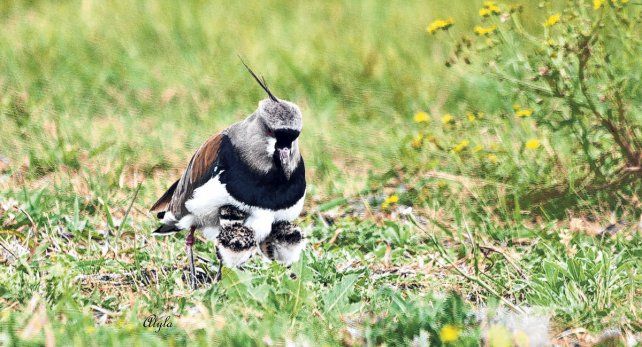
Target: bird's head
279, 123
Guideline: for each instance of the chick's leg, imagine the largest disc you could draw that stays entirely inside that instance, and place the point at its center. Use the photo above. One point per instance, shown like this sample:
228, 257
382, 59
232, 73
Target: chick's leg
220, 266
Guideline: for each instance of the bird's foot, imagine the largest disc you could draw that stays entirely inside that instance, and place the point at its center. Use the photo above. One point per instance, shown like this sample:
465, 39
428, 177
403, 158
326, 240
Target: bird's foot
189, 242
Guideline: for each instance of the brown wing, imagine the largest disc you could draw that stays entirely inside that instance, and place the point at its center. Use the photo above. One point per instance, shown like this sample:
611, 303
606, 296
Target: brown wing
193, 177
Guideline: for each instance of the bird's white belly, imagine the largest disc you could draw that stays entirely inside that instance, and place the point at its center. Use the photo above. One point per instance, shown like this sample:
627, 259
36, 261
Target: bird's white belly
208, 198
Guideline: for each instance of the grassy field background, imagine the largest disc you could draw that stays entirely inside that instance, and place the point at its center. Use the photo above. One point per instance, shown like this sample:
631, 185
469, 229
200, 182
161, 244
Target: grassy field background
103, 102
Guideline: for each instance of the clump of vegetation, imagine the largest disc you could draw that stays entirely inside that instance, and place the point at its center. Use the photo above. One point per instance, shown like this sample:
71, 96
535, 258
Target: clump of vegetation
572, 85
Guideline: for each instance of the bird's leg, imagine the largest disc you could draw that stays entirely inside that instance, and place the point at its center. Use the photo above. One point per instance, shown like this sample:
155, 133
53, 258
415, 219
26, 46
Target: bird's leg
220, 267
189, 242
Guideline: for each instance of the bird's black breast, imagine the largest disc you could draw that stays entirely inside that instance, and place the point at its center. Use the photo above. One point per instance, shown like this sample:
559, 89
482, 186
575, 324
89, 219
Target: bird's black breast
270, 190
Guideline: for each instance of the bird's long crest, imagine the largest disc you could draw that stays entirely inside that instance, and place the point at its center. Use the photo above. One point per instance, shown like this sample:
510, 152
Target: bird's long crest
258, 80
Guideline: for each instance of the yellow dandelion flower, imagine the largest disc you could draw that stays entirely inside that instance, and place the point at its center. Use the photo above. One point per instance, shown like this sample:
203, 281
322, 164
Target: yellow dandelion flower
533, 144
597, 4
525, 112
392, 199
489, 8
492, 158
447, 118
417, 141
484, 31
421, 117
552, 20
471, 117
499, 336
477, 148
461, 146
449, 333
440, 24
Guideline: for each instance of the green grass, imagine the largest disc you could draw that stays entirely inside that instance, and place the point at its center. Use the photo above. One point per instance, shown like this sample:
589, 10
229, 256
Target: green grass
103, 102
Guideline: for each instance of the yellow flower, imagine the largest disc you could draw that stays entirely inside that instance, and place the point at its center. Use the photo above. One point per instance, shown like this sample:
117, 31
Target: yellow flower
447, 118
532, 144
499, 336
461, 146
421, 117
552, 20
417, 141
471, 116
477, 148
449, 333
525, 112
440, 24
392, 199
492, 158
483, 31
489, 8
597, 4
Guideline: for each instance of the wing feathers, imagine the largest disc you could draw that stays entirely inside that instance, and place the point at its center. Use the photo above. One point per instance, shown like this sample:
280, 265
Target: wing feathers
205, 157
165, 199
195, 174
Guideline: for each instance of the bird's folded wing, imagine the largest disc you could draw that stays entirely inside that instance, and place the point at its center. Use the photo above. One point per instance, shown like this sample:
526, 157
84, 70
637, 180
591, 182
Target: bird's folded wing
198, 172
